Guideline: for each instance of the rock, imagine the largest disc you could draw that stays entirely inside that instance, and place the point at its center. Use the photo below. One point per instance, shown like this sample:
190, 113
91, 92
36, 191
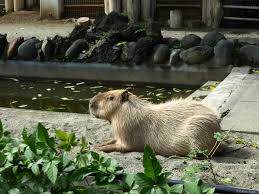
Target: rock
174, 56
28, 50
161, 54
165, 66
143, 50
133, 32
171, 42
61, 46
212, 38
250, 55
104, 50
3, 43
83, 21
47, 48
196, 55
13, 47
78, 32
190, 40
224, 53
99, 18
113, 21
128, 51
76, 48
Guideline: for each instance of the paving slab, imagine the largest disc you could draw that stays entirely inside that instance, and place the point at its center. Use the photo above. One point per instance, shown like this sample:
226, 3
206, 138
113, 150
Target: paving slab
244, 116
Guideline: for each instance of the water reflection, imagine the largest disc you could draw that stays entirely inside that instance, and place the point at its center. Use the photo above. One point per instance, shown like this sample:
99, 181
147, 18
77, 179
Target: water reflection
62, 96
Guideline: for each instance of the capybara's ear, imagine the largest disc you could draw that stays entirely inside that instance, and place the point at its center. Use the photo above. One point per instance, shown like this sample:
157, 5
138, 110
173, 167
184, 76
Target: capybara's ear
129, 89
124, 96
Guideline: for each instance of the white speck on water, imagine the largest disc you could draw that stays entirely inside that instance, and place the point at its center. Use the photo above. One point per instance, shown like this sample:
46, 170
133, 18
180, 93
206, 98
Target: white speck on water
39, 95
34, 98
48, 89
69, 87
64, 98
80, 83
22, 106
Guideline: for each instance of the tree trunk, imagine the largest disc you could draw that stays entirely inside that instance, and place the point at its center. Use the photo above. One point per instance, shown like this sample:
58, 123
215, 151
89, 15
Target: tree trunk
148, 8
176, 19
115, 5
133, 10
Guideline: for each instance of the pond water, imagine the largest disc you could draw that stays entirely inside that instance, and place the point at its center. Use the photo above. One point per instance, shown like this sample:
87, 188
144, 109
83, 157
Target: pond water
71, 96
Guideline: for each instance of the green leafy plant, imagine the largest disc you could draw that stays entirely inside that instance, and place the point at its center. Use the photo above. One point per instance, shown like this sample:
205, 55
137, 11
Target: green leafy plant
42, 164
121, 44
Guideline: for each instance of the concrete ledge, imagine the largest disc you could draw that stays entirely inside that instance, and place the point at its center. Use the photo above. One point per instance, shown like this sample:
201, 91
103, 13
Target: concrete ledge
184, 75
228, 91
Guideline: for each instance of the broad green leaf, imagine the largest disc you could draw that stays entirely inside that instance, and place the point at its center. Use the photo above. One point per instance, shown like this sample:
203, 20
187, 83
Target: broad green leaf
42, 133
129, 179
28, 154
52, 173
62, 135
69, 168
1, 129
46, 166
15, 168
152, 167
209, 191
65, 159
14, 191
31, 142
9, 156
143, 181
158, 190
218, 136
25, 134
72, 139
35, 169
192, 187
176, 189
153, 190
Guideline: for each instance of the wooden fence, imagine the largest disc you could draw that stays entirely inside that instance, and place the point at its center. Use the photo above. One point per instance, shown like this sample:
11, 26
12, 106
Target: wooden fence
192, 9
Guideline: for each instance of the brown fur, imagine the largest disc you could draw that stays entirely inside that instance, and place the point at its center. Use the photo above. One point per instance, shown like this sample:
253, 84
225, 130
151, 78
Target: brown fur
172, 128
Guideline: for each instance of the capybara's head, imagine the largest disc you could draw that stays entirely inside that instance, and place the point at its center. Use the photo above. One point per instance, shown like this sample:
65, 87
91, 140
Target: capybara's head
105, 105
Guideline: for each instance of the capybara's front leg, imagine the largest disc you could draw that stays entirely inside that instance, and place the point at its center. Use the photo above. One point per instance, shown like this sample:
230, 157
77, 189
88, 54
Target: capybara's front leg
112, 141
113, 148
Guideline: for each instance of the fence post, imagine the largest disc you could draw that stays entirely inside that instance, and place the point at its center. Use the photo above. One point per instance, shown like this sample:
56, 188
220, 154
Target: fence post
148, 9
18, 5
133, 10
8, 5
124, 6
106, 7
115, 5
176, 19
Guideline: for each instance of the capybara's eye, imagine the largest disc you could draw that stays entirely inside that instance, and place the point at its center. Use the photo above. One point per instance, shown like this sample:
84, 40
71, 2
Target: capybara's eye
110, 97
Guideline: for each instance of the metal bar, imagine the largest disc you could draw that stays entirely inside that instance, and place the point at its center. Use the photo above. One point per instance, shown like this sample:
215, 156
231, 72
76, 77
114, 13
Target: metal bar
240, 7
178, 5
242, 19
223, 188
